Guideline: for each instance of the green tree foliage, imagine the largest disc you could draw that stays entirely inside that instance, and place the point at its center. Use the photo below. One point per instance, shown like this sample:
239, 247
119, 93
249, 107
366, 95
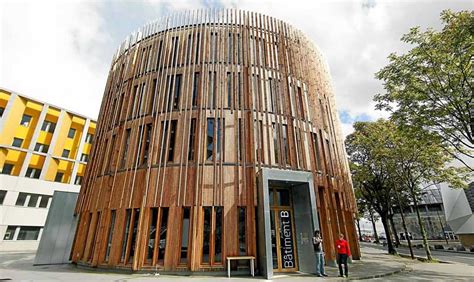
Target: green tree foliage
416, 160
368, 148
389, 161
431, 86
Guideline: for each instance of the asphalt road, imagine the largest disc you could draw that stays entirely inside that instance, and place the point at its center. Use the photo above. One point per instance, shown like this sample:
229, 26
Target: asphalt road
440, 255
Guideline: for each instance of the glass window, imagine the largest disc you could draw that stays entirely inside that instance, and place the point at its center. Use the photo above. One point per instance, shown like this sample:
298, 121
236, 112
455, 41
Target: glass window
78, 180
3, 193
89, 138
283, 197
218, 138
111, 232
71, 133
211, 101
1, 111
133, 240
65, 153
196, 55
29, 233
48, 126
218, 235
158, 57
195, 89
206, 243
59, 177
33, 200
163, 232
316, 151
192, 135
172, 140
185, 235
7, 168
126, 231
240, 145
43, 148
286, 153
229, 90
94, 236
17, 142
33, 172
20, 201
44, 201
10, 233
147, 143
125, 149
175, 41
84, 157
210, 139
152, 235
25, 120
241, 226
177, 91
275, 142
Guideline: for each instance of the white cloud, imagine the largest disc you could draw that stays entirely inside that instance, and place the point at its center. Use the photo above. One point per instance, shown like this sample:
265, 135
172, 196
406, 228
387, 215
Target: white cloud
60, 51
53, 51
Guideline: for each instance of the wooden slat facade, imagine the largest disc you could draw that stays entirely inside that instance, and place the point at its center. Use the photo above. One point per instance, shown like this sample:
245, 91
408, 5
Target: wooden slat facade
255, 86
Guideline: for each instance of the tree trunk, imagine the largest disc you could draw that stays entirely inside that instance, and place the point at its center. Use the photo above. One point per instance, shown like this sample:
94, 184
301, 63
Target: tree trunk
376, 236
358, 228
395, 233
407, 236
442, 228
391, 249
420, 223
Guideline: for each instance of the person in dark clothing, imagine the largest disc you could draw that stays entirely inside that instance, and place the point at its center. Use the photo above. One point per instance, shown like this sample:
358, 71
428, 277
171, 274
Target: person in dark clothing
343, 252
318, 250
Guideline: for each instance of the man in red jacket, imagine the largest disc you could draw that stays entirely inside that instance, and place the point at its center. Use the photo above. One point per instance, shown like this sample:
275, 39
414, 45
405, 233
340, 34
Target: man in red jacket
343, 252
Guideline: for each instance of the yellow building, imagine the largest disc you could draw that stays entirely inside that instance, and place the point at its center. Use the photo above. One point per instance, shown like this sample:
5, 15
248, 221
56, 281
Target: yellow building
43, 148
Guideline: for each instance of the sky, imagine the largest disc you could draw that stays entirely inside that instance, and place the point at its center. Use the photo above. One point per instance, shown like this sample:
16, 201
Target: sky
60, 51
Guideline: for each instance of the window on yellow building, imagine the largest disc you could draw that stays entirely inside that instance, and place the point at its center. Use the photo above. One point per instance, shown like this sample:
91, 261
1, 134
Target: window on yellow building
17, 142
33, 172
48, 126
65, 153
78, 180
25, 120
71, 133
89, 138
43, 148
7, 168
59, 177
1, 111
84, 157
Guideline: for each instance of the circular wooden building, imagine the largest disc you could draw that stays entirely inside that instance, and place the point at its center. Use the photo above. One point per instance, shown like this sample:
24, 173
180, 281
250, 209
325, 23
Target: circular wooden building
217, 137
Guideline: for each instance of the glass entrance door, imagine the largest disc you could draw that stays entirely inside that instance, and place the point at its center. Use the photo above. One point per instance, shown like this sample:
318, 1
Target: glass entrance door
284, 255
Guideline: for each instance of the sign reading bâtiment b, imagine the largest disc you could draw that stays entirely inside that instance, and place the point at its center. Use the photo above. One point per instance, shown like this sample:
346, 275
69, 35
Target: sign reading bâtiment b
287, 249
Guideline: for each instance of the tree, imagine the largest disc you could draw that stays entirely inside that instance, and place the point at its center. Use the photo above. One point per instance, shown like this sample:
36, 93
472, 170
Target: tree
373, 217
431, 86
361, 209
368, 147
418, 159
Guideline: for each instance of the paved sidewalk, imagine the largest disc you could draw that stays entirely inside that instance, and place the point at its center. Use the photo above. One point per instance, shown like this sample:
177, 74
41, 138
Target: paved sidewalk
18, 266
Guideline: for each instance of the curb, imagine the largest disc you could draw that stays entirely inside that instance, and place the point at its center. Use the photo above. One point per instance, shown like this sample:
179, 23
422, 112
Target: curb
380, 275
422, 259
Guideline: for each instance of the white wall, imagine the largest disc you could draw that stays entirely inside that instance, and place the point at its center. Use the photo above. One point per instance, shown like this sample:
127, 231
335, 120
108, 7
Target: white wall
13, 215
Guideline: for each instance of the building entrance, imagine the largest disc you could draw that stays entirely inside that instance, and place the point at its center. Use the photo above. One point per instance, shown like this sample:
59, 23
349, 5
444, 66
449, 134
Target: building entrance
284, 254
286, 219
